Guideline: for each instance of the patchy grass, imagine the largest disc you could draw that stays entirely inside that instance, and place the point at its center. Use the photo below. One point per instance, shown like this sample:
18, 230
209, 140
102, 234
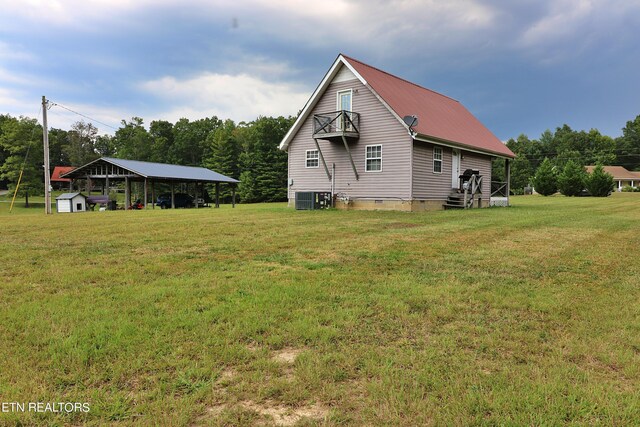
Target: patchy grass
265, 315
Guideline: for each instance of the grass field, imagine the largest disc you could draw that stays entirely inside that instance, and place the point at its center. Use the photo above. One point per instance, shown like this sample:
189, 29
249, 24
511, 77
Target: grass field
528, 315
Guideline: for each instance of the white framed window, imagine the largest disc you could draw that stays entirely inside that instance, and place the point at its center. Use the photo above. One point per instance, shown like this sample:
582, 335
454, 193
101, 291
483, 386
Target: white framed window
373, 158
312, 159
344, 100
344, 104
437, 159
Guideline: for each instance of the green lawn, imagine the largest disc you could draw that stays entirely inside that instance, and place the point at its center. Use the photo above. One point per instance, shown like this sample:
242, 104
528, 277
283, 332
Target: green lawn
528, 315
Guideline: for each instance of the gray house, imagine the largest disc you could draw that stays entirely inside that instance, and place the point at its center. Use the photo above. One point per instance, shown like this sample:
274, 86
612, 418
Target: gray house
375, 141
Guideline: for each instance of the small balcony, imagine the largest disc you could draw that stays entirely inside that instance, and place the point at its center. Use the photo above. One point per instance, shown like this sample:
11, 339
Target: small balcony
333, 126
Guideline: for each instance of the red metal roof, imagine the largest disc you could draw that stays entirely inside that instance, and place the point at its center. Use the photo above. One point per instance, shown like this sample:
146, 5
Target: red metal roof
439, 116
60, 170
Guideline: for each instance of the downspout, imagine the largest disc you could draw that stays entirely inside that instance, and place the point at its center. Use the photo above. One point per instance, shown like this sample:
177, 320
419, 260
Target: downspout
412, 134
333, 183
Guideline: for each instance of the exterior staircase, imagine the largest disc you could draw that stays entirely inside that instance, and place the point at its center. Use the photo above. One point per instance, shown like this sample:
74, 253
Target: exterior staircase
455, 200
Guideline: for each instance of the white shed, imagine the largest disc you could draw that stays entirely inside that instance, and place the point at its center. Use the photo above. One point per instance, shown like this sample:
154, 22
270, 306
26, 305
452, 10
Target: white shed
71, 202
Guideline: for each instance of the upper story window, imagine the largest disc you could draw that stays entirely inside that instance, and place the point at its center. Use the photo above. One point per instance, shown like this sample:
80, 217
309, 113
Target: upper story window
344, 104
344, 100
437, 159
312, 159
373, 158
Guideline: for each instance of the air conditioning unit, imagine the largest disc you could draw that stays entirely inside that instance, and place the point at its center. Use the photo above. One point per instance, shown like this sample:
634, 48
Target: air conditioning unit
310, 200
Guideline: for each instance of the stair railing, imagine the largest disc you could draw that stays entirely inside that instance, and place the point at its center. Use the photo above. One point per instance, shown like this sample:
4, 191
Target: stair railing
471, 187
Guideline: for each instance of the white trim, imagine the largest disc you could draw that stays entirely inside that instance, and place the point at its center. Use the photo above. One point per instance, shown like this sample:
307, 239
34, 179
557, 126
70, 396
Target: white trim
340, 122
306, 159
433, 158
455, 174
339, 104
372, 158
315, 97
321, 88
459, 146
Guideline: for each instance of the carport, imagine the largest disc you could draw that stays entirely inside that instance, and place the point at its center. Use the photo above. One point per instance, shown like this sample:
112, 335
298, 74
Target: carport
108, 169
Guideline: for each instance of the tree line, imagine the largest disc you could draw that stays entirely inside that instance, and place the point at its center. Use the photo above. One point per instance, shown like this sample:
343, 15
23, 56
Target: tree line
244, 151
568, 146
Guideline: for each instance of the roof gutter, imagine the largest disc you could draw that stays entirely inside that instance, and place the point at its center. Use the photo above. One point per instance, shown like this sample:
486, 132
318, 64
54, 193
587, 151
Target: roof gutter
446, 143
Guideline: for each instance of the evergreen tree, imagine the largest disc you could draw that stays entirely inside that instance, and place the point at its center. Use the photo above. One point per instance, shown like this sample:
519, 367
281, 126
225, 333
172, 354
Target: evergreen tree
572, 179
224, 154
545, 181
600, 183
521, 173
265, 166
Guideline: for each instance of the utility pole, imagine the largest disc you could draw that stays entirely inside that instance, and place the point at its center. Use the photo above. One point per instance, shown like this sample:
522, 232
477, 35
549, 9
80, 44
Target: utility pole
47, 176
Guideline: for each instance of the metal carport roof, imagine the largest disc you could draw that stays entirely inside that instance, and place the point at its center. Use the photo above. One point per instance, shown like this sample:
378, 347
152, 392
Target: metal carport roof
137, 169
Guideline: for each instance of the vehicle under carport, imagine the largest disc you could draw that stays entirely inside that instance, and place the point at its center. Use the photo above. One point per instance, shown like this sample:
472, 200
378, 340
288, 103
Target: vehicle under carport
109, 170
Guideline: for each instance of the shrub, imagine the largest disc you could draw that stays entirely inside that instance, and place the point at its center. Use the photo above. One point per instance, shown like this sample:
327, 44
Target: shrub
599, 183
545, 181
628, 189
571, 180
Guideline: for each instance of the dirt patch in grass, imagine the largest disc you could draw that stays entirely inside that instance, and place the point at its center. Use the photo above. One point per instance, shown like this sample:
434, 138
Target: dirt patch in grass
226, 376
286, 355
284, 415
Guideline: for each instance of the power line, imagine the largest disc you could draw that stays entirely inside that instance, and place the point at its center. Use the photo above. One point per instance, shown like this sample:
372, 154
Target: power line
82, 115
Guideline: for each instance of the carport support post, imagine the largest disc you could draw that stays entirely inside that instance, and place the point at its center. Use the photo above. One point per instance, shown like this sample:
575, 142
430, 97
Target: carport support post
145, 193
153, 194
233, 196
106, 185
507, 167
173, 199
196, 190
127, 193
217, 194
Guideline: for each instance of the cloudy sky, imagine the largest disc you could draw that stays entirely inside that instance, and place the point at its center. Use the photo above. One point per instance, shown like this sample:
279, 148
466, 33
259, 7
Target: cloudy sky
521, 66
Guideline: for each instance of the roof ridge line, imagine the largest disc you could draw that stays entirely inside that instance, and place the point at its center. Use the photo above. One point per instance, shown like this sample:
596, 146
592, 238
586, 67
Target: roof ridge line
400, 78
153, 163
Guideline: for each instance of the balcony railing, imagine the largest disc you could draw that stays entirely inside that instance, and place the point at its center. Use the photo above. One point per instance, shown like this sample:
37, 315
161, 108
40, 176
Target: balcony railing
499, 189
335, 124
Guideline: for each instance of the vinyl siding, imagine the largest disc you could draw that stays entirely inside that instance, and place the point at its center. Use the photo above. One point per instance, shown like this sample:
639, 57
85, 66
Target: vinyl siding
64, 206
377, 126
481, 163
437, 186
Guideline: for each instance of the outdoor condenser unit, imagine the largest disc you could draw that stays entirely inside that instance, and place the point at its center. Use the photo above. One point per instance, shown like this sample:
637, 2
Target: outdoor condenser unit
310, 200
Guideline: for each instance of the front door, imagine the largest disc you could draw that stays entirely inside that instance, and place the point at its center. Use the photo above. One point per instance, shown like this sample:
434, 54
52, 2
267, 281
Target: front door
455, 168
344, 105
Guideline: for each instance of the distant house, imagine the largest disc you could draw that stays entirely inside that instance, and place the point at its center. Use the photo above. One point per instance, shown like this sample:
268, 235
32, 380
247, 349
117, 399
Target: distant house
71, 202
61, 183
376, 141
621, 176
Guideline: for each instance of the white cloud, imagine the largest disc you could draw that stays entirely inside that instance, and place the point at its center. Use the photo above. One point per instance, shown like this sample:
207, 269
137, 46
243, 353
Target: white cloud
241, 97
399, 26
564, 18
16, 103
578, 20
